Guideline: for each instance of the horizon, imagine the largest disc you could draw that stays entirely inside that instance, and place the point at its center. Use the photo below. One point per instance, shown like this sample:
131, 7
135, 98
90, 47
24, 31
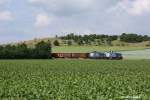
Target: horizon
28, 19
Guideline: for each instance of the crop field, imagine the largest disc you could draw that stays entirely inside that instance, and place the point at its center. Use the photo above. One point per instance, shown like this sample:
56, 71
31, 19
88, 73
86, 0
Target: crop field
74, 79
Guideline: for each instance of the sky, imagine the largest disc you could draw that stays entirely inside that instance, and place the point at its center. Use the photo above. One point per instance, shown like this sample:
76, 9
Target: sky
28, 19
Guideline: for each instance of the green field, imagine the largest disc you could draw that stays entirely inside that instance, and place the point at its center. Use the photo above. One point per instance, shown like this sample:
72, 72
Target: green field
136, 54
78, 49
74, 79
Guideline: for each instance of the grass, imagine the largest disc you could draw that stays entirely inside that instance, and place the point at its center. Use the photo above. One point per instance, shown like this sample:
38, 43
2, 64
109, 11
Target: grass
94, 48
136, 54
74, 79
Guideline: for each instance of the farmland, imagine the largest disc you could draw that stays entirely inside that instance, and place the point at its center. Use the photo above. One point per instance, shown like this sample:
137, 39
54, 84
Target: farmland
137, 54
74, 79
95, 48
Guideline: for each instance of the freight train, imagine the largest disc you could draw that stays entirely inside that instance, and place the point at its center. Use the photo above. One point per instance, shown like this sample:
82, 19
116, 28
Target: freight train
93, 55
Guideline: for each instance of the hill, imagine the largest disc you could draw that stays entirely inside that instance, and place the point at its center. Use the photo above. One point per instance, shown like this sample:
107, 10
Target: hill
116, 46
93, 42
61, 41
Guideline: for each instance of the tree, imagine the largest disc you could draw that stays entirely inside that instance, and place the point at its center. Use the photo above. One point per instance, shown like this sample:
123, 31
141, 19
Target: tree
21, 51
56, 43
131, 38
80, 42
43, 50
88, 39
56, 36
99, 42
108, 42
69, 42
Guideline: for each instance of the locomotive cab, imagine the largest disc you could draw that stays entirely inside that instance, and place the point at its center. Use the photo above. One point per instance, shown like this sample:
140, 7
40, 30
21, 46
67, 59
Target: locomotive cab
113, 55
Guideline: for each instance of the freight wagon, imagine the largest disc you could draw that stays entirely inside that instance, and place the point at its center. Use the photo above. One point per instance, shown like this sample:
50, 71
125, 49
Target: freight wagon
92, 55
70, 55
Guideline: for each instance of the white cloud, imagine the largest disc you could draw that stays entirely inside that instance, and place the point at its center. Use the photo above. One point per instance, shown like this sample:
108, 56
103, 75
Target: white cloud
63, 2
42, 20
65, 7
134, 7
37, 1
4, 1
6, 16
140, 6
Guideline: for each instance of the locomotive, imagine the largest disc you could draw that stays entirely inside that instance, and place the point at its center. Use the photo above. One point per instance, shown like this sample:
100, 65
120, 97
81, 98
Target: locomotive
92, 55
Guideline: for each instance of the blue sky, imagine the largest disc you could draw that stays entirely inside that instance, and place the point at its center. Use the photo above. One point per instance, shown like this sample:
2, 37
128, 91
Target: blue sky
27, 19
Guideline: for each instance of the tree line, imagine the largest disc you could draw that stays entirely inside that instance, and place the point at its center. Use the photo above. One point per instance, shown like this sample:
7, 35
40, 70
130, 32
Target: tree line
134, 38
42, 50
88, 39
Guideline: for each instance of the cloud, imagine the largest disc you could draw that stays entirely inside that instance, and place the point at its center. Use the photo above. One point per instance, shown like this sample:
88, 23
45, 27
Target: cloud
4, 1
42, 20
65, 7
38, 1
140, 6
6, 16
133, 7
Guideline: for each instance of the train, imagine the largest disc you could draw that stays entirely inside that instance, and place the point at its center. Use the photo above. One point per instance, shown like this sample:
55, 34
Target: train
92, 55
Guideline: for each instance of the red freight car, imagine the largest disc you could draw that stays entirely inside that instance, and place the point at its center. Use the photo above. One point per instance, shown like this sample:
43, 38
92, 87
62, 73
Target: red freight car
80, 55
61, 55
70, 55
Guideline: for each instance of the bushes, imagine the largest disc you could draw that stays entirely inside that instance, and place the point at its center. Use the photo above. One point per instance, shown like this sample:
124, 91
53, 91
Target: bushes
42, 50
148, 44
56, 43
90, 39
133, 38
